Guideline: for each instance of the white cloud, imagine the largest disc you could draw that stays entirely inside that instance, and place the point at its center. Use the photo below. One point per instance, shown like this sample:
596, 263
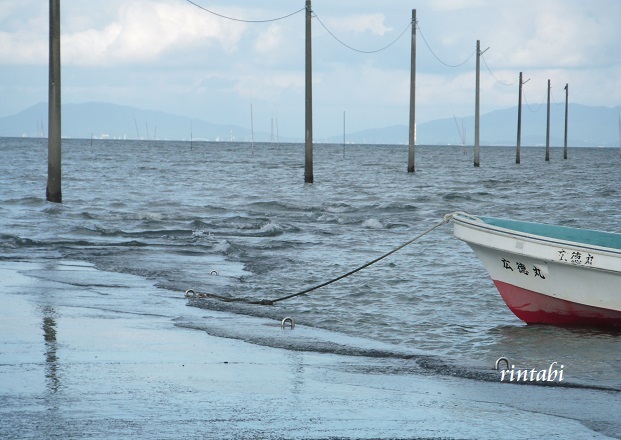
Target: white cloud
138, 31
24, 38
373, 23
146, 30
456, 5
270, 40
267, 85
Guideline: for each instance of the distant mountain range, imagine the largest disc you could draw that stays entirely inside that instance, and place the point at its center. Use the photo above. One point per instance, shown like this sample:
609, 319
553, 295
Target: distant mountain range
588, 126
101, 120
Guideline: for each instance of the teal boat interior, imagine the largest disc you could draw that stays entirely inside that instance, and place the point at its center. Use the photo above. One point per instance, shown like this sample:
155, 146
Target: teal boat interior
584, 236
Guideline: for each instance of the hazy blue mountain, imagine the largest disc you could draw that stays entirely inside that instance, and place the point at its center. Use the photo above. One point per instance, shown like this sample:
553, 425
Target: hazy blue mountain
116, 121
588, 126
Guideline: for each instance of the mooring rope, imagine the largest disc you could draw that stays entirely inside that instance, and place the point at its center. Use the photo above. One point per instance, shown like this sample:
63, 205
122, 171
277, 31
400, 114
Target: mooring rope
191, 293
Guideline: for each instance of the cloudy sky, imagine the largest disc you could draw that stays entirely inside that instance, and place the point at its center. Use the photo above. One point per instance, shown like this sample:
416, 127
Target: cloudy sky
173, 56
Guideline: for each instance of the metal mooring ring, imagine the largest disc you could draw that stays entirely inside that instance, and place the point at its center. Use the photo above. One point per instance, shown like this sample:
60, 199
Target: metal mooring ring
190, 293
499, 360
286, 321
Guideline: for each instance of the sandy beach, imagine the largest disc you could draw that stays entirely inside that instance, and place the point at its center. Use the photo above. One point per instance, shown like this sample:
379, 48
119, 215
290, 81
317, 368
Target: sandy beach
79, 358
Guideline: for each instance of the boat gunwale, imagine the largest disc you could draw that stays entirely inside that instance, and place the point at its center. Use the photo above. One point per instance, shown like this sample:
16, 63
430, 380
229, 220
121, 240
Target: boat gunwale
480, 223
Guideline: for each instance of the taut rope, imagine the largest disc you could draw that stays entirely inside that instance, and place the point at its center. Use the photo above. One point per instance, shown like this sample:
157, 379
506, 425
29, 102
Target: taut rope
191, 293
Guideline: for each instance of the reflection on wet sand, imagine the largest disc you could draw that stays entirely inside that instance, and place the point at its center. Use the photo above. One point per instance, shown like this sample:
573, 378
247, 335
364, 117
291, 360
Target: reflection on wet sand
51, 359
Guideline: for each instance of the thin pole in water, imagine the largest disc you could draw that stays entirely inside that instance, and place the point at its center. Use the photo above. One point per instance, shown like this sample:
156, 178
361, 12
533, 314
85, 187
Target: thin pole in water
136, 125
343, 134
308, 138
566, 117
412, 132
477, 104
251, 128
548, 127
519, 127
53, 192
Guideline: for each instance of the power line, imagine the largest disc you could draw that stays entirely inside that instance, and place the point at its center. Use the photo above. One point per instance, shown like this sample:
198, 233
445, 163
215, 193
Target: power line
241, 20
359, 50
528, 105
494, 76
436, 57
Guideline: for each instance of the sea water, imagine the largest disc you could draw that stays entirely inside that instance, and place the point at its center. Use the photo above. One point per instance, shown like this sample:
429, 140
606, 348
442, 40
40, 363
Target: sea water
238, 221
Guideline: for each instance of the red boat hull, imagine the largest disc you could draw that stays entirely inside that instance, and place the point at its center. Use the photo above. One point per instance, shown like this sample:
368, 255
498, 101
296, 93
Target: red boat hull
536, 308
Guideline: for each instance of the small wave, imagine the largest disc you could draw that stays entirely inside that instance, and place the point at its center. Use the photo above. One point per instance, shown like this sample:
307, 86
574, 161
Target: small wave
222, 246
372, 223
456, 196
271, 229
273, 206
325, 218
198, 233
14, 242
88, 215
32, 201
338, 209
151, 216
397, 207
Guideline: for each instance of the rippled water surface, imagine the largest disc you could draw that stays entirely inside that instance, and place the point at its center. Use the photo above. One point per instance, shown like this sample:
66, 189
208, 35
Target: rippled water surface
177, 213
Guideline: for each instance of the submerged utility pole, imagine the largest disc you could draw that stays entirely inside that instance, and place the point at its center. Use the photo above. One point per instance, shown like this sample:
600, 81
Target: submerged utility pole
519, 122
566, 116
476, 105
519, 127
412, 138
53, 192
252, 129
308, 143
343, 134
548, 127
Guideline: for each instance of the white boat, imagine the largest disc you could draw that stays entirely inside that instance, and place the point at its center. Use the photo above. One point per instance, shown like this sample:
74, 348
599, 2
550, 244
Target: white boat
549, 274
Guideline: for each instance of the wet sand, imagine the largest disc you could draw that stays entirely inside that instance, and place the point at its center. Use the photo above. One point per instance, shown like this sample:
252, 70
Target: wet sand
81, 356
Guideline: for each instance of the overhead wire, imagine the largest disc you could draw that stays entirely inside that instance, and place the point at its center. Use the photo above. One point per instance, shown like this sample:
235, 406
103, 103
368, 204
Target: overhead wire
438, 58
333, 35
528, 105
361, 50
494, 76
268, 20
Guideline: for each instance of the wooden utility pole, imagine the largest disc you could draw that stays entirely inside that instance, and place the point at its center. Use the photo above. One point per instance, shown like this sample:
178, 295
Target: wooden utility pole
343, 134
566, 117
548, 127
412, 138
476, 105
252, 129
308, 143
53, 191
519, 122
519, 127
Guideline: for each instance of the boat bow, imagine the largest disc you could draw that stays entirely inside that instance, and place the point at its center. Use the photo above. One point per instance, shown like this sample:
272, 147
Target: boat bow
549, 274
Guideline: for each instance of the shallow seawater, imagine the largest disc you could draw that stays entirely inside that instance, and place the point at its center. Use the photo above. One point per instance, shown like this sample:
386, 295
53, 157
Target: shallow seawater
240, 222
